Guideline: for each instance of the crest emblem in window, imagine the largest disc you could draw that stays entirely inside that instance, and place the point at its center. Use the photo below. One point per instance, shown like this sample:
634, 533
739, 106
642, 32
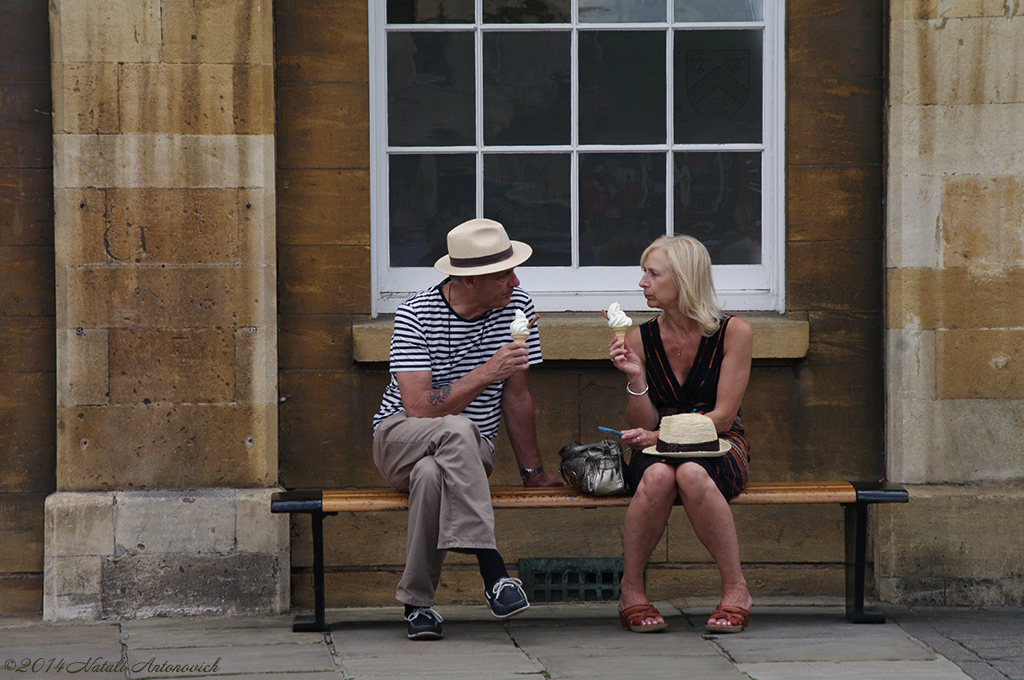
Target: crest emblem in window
717, 81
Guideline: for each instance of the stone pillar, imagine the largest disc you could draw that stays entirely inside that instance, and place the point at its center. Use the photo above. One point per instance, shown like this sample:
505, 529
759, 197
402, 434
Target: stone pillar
166, 321
955, 307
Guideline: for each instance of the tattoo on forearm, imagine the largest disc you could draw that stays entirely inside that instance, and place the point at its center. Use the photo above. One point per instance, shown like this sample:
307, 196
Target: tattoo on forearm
439, 395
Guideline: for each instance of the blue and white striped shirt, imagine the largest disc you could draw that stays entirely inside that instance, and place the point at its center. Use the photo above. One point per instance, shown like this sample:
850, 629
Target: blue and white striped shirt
430, 336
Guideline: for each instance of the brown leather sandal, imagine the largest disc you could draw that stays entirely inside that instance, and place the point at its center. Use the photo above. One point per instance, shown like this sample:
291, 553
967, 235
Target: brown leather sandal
738, 618
632, 618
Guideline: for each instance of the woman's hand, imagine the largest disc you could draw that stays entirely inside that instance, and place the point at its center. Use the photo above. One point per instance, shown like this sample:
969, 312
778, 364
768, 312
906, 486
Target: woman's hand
625, 359
639, 438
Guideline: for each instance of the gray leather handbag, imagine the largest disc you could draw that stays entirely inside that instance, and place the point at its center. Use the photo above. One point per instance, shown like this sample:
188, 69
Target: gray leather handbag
595, 469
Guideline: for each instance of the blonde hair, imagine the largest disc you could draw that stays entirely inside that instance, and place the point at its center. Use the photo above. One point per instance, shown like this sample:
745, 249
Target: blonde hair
690, 266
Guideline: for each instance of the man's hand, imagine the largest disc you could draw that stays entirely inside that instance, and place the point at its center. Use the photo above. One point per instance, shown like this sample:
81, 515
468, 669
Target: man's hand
543, 479
508, 360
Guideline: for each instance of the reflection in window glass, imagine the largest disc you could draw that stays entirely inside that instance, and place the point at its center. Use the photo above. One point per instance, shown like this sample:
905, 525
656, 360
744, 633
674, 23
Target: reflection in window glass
616, 11
717, 199
719, 10
526, 88
526, 11
622, 87
622, 206
530, 195
429, 11
718, 92
429, 194
430, 89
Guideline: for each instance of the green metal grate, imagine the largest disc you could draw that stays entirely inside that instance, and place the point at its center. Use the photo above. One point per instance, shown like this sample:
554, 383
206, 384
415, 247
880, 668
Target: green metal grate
571, 579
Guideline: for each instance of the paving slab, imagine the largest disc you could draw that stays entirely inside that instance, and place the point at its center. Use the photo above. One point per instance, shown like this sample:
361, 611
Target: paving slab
642, 666
937, 669
467, 664
39, 635
171, 638
209, 661
96, 661
601, 639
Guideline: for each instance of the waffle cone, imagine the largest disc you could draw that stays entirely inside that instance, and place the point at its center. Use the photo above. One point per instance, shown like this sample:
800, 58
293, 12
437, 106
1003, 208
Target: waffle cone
620, 331
520, 337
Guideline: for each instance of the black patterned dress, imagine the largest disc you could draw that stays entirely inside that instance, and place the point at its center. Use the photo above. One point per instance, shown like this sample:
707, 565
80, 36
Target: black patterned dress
698, 393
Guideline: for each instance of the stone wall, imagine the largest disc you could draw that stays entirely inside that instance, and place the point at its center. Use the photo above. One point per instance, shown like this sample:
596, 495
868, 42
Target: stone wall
166, 321
955, 320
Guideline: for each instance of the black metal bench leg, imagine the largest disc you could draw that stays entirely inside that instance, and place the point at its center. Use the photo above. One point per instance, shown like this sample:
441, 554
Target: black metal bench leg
317, 622
856, 564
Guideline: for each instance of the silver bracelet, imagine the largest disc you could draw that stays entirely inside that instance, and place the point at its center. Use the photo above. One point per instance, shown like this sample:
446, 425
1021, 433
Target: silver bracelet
637, 394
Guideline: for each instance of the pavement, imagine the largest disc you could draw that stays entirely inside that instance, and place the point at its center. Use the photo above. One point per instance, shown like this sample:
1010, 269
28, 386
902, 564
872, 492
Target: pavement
788, 639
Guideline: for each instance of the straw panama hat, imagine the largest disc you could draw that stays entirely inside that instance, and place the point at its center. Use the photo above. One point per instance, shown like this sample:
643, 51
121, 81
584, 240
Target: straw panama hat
688, 435
481, 246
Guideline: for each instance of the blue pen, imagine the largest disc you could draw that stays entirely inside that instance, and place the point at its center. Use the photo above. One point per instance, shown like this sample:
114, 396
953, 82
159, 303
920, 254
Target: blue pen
609, 431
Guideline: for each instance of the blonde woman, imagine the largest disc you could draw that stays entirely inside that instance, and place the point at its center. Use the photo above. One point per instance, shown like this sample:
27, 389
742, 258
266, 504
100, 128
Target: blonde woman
690, 358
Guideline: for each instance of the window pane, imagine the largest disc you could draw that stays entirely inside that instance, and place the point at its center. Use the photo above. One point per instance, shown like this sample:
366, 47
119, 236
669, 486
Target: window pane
719, 10
529, 194
718, 87
428, 195
430, 89
526, 88
615, 11
430, 11
526, 11
718, 200
622, 206
622, 87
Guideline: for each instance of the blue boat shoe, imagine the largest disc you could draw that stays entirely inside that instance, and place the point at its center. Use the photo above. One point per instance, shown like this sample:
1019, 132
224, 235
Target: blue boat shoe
424, 624
506, 598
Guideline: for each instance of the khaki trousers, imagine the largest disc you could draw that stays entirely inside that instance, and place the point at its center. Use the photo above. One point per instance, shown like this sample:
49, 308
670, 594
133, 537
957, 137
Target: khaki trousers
444, 464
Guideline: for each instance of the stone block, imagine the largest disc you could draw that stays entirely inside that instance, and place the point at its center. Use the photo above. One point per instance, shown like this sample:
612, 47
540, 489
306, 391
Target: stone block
954, 298
321, 42
188, 522
215, 32
846, 338
951, 546
324, 279
980, 364
79, 524
84, 366
983, 221
163, 160
257, 224
143, 586
199, 99
179, 297
25, 125
84, 98
323, 125
27, 435
306, 196
177, 446
830, 203
958, 60
912, 225
28, 281
26, 199
21, 524
830, 275
114, 31
79, 226
910, 358
184, 365
28, 343
840, 121
924, 10
932, 141
314, 341
826, 39
255, 357
257, 530
21, 596
24, 42
325, 433
71, 588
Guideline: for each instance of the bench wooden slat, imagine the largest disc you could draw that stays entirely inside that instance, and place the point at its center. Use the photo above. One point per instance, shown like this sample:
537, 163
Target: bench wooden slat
764, 493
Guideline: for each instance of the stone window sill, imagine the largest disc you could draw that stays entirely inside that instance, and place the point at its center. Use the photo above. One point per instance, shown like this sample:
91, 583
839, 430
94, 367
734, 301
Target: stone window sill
584, 336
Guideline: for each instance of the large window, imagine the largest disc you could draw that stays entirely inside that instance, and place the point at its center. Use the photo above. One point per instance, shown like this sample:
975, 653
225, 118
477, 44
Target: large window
588, 128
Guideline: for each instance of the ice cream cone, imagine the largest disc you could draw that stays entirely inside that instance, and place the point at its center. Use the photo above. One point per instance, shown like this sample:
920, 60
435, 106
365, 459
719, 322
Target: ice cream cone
520, 337
620, 332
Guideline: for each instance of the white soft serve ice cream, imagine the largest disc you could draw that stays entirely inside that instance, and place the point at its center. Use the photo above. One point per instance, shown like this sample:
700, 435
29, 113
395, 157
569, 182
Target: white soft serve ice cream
520, 325
617, 317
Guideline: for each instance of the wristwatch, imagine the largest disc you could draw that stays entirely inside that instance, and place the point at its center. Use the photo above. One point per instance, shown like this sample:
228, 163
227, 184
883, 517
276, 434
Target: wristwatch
526, 473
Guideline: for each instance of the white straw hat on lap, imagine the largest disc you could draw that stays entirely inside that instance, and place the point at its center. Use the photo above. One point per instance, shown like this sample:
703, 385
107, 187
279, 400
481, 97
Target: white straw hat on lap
481, 246
688, 435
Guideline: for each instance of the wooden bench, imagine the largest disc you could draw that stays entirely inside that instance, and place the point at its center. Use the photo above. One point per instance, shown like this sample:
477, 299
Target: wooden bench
854, 497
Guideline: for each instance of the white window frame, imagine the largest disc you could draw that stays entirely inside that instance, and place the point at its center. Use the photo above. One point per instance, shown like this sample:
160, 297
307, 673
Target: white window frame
740, 287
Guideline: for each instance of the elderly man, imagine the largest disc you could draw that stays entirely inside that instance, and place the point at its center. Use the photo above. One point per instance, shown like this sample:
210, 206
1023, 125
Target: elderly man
455, 371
